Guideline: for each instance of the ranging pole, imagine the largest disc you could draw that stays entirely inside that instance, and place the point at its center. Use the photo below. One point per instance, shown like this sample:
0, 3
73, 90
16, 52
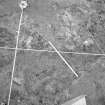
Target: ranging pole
63, 59
22, 5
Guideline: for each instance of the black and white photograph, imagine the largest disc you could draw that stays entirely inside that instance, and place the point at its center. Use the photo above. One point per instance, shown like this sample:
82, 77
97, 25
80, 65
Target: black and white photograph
52, 52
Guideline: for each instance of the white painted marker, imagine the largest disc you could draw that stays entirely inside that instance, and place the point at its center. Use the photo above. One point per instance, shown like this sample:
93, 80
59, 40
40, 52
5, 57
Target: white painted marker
23, 4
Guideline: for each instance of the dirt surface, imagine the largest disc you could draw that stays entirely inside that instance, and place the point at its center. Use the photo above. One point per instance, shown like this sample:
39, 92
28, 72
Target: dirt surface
41, 77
